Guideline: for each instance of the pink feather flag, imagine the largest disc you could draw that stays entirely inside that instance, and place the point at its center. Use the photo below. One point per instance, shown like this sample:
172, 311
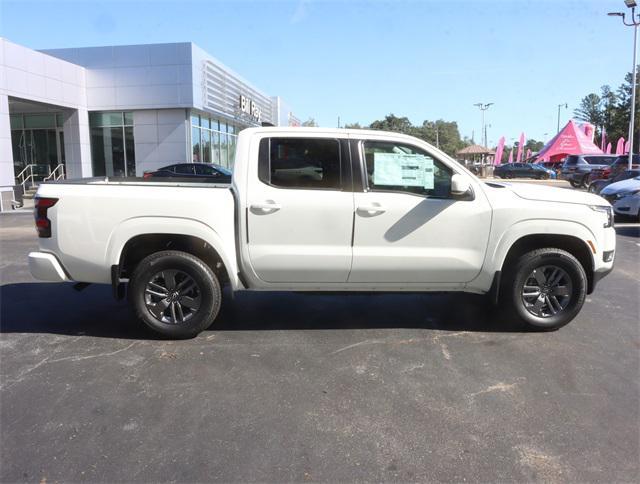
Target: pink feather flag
609, 148
511, 156
499, 150
520, 147
620, 146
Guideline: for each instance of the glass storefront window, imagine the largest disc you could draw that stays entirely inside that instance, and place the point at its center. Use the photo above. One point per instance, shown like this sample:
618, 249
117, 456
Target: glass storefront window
108, 151
40, 121
130, 151
215, 145
106, 119
16, 121
224, 161
206, 146
232, 151
195, 144
112, 144
213, 140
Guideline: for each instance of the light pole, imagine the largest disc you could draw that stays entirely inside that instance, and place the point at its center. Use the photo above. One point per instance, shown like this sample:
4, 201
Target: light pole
634, 23
483, 108
559, 106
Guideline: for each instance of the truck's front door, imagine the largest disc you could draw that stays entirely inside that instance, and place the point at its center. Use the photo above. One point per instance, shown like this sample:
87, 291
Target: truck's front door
408, 228
300, 211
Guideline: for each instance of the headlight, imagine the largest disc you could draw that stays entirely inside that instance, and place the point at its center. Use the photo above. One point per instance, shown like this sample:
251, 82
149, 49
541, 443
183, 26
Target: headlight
626, 194
606, 210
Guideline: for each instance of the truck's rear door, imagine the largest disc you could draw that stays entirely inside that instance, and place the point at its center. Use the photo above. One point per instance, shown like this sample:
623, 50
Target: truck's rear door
300, 210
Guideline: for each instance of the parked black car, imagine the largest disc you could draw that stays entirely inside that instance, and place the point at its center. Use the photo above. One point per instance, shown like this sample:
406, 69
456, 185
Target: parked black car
576, 168
597, 185
523, 170
208, 172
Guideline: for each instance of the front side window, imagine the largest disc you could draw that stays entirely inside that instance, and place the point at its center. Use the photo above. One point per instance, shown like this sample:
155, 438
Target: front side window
306, 163
404, 168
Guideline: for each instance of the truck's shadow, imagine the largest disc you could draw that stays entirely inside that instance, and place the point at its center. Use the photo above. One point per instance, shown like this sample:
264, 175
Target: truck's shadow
58, 309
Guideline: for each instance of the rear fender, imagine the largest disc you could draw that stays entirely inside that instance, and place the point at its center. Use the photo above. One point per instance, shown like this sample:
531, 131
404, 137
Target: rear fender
172, 226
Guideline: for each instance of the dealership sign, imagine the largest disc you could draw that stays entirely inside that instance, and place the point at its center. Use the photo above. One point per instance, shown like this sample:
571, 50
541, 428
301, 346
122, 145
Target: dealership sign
249, 106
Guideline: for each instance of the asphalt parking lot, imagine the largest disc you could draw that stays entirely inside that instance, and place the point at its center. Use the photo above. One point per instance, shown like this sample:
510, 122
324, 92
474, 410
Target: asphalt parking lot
291, 387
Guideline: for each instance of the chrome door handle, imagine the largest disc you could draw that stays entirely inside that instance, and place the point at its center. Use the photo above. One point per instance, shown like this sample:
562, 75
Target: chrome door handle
371, 209
266, 206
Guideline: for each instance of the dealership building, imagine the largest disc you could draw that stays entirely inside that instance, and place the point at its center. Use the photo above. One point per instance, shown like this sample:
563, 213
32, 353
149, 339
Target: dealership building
119, 111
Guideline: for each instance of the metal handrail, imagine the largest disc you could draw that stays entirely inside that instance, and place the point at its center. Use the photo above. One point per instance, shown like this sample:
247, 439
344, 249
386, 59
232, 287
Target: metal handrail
23, 177
56, 174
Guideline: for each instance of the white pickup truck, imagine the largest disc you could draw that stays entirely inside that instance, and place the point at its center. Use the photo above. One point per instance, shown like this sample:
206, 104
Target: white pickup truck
313, 209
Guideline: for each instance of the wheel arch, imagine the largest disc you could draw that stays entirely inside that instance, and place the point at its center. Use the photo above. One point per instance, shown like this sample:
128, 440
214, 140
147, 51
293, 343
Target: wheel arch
576, 246
137, 238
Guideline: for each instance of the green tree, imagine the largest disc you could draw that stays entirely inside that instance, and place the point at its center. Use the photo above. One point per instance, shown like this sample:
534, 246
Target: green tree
590, 110
623, 112
353, 126
533, 145
441, 133
393, 123
310, 123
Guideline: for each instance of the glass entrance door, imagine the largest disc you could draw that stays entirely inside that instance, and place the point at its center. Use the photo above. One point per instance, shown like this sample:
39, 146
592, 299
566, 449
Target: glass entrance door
36, 140
42, 147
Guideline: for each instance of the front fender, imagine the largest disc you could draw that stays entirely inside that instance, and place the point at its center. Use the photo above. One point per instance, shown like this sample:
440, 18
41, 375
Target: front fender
136, 226
499, 247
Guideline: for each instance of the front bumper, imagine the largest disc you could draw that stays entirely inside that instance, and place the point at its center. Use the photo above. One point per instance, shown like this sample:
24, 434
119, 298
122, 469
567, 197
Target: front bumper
598, 276
46, 267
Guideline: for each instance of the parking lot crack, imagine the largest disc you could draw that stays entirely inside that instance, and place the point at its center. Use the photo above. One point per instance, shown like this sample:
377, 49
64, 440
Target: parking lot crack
48, 360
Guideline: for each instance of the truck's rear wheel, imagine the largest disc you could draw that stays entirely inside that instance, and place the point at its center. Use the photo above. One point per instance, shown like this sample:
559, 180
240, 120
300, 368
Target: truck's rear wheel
545, 289
175, 294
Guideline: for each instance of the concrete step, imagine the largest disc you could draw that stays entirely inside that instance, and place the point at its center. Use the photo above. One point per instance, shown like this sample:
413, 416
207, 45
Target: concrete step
29, 194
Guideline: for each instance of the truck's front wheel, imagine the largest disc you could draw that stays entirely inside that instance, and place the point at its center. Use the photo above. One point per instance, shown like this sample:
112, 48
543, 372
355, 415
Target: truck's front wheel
545, 289
175, 294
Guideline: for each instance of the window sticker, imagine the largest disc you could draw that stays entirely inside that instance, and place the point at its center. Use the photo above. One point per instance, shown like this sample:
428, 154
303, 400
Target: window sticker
401, 169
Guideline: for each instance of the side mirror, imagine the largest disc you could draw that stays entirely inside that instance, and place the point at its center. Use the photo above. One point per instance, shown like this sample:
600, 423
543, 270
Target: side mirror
461, 187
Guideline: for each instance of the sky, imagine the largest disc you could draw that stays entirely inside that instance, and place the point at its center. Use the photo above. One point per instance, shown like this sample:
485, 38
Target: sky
361, 60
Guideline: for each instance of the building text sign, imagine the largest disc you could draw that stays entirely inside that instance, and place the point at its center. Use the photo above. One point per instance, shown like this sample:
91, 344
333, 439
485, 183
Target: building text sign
249, 106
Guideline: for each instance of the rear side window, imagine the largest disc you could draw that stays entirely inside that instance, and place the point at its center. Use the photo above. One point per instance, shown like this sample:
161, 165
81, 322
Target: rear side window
571, 160
305, 163
600, 160
184, 169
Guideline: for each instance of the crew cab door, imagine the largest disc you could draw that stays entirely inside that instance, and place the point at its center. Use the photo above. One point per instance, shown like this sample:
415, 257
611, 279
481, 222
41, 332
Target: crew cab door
300, 210
408, 227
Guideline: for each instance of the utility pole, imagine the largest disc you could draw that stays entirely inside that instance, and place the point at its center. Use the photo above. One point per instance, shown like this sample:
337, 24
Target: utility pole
559, 106
635, 22
483, 133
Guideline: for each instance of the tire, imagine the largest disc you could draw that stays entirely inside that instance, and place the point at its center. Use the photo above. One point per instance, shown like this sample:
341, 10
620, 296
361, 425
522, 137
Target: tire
193, 294
584, 181
574, 183
592, 188
566, 299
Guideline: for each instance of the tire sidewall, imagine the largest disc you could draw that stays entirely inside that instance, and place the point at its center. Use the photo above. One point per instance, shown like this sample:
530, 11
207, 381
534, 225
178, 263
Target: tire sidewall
201, 274
578, 281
